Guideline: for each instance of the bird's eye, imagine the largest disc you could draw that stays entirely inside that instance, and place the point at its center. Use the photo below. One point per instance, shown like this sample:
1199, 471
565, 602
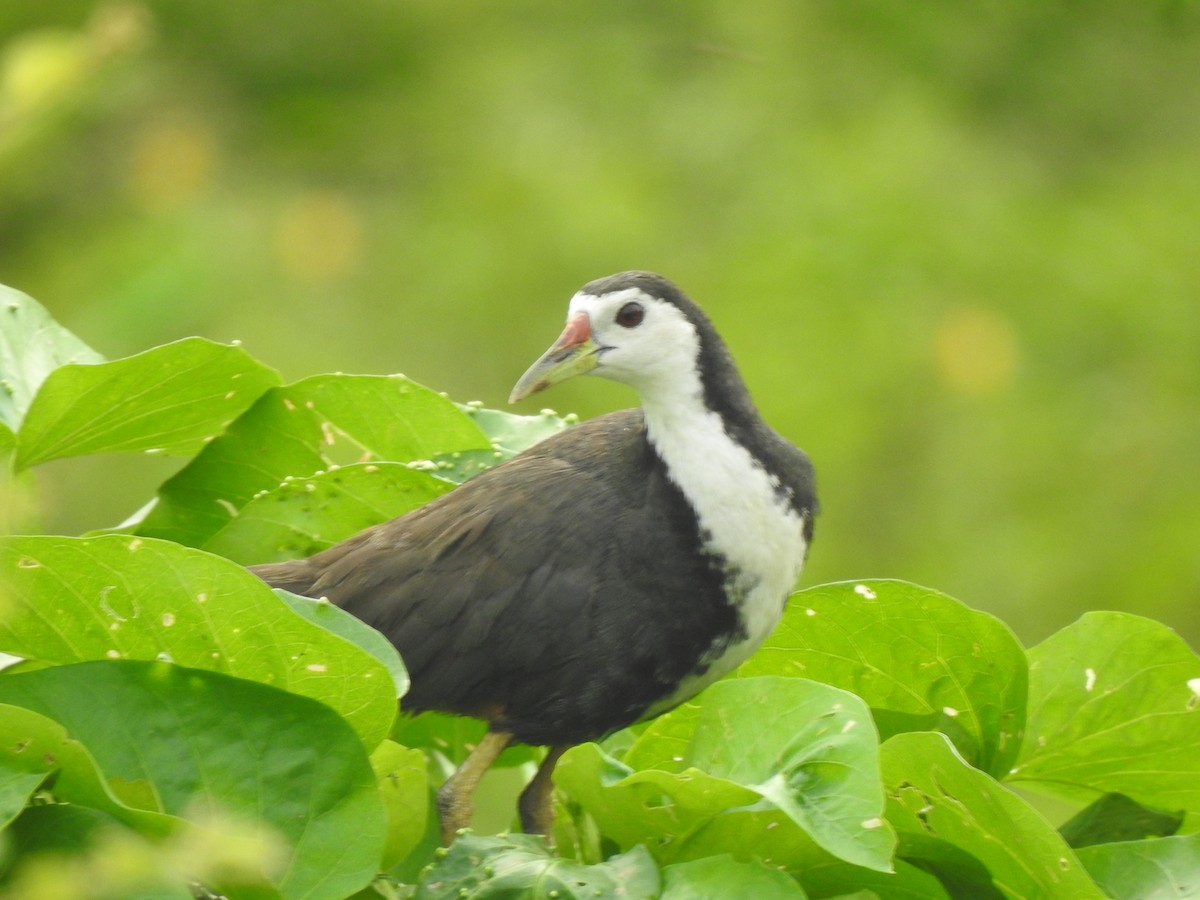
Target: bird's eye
630, 315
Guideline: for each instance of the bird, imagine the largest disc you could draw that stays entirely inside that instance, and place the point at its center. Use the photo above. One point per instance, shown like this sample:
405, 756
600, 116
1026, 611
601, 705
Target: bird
604, 575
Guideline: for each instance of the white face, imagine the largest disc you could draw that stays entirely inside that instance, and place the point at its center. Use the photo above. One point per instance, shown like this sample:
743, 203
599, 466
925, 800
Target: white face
644, 342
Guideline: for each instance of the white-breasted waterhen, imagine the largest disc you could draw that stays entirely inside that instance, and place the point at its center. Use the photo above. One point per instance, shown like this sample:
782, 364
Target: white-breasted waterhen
606, 574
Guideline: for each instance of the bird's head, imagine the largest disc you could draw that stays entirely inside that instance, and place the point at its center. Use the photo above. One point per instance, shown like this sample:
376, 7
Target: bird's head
635, 327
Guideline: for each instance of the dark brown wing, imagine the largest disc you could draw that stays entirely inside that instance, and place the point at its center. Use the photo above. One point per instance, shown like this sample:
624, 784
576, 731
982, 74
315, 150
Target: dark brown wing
557, 595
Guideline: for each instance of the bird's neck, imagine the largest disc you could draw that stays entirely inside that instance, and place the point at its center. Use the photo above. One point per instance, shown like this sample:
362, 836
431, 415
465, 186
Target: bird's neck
743, 516
746, 524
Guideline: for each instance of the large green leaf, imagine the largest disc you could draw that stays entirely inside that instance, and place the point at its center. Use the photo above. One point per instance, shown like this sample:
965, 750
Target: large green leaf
17, 786
1163, 868
511, 433
300, 430
807, 748
805, 751
38, 746
353, 629
404, 789
723, 876
519, 866
110, 597
1113, 818
32, 345
214, 747
170, 399
387, 416
680, 816
1114, 707
920, 659
305, 515
839, 879
970, 830
55, 827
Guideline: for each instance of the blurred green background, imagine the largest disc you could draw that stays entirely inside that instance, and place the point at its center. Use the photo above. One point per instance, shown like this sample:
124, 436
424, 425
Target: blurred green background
955, 248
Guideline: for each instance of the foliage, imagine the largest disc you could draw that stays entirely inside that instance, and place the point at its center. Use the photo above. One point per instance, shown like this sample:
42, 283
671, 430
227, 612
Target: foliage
174, 714
952, 246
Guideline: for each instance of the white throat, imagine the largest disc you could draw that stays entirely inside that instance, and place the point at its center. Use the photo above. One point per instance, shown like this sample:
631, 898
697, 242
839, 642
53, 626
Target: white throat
741, 514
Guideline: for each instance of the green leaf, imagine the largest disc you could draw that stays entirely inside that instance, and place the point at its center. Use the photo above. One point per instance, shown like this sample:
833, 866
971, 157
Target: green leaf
969, 829
1164, 868
387, 416
353, 629
663, 743
300, 430
679, 816
723, 876
404, 789
32, 345
511, 433
520, 866
1114, 817
39, 746
839, 879
16, 787
305, 515
1114, 707
117, 597
920, 659
215, 747
62, 827
169, 400
805, 750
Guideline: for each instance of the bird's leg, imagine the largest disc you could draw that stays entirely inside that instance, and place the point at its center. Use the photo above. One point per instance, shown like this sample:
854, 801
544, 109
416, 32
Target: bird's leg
536, 803
454, 797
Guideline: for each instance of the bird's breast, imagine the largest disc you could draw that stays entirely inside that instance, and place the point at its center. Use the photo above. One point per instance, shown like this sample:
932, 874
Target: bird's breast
742, 511
747, 527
